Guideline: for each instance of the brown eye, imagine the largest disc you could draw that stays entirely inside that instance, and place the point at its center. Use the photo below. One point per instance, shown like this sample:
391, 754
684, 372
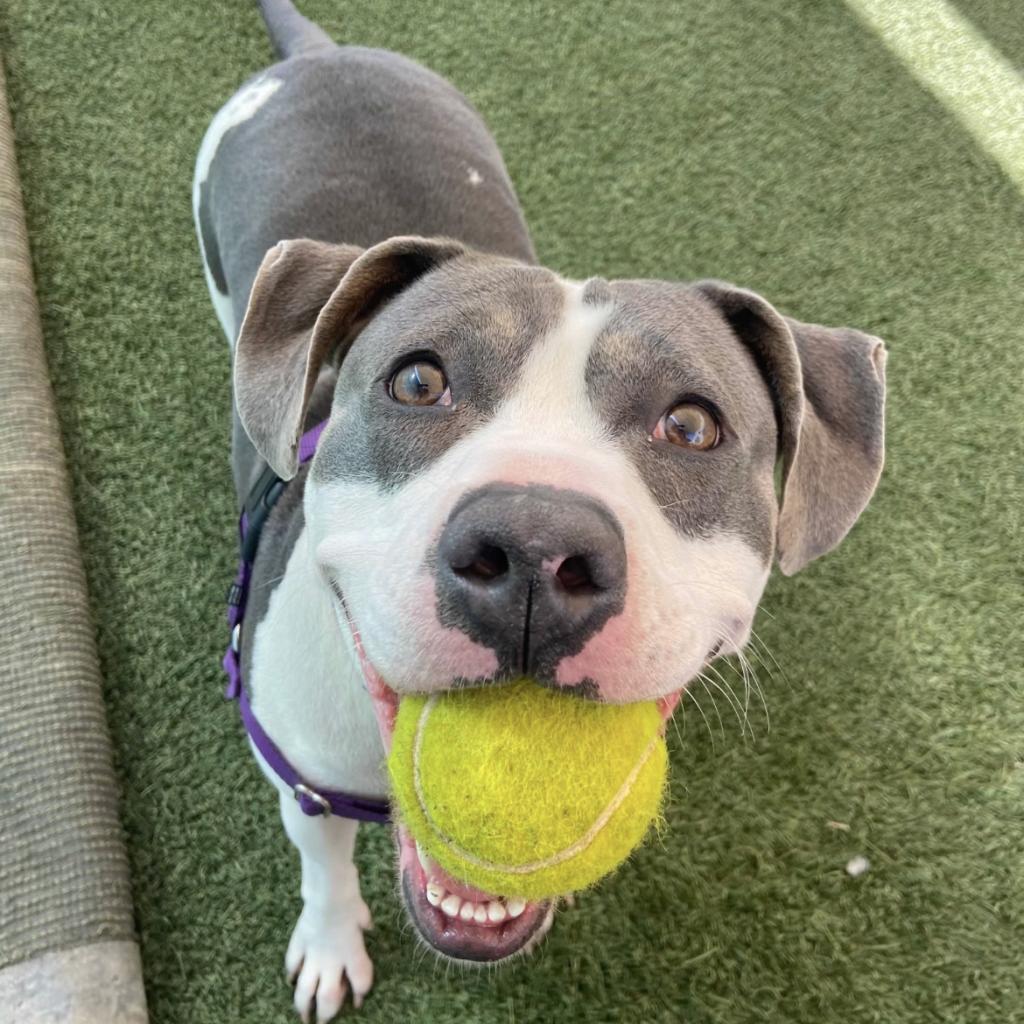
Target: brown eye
420, 383
691, 426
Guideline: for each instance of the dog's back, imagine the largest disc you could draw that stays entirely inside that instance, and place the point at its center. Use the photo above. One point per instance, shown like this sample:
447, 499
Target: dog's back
343, 144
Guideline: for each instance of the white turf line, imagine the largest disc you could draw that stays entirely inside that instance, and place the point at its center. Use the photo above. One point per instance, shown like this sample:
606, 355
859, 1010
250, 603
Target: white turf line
953, 60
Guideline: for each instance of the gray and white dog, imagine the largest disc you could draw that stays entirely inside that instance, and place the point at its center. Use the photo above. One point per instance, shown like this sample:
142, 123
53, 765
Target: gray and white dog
521, 475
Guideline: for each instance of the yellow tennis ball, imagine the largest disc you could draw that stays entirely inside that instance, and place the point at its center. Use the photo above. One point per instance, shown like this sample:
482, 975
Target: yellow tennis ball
522, 791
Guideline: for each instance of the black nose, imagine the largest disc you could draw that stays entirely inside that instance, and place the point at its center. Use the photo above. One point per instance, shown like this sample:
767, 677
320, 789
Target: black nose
531, 572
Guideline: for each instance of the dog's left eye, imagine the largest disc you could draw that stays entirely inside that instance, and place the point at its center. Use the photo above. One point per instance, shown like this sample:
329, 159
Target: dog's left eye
420, 382
689, 425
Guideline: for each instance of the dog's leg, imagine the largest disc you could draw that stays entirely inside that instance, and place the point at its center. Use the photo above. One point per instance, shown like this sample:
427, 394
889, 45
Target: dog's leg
326, 957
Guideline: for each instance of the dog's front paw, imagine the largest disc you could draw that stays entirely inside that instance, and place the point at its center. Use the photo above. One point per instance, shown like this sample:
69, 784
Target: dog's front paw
326, 960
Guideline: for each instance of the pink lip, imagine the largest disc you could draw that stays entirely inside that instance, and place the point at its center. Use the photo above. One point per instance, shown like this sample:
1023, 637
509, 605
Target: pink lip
667, 704
385, 700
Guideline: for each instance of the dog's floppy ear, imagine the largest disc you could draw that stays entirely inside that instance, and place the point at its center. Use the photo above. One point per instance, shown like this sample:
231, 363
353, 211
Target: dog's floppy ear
309, 301
828, 385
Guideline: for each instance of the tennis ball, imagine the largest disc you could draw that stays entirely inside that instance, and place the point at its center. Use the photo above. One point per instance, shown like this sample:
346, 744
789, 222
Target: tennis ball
525, 792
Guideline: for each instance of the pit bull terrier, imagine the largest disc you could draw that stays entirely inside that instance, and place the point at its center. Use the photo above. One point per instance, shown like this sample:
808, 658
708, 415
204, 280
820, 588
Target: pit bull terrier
520, 474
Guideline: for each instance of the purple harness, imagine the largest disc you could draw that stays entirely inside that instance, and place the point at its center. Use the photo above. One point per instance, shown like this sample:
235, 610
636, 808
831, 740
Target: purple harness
257, 508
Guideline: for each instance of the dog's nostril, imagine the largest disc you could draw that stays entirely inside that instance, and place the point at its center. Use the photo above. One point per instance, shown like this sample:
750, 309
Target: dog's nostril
488, 563
575, 576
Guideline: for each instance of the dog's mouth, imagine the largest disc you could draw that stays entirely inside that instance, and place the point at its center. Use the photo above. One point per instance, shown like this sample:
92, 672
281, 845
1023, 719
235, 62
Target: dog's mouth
454, 919
461, 922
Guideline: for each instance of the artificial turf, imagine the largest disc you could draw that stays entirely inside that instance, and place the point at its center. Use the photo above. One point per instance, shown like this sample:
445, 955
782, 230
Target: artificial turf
775, 144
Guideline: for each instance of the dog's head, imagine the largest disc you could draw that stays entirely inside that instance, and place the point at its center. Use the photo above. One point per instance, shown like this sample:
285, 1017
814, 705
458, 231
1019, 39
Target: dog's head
524, 475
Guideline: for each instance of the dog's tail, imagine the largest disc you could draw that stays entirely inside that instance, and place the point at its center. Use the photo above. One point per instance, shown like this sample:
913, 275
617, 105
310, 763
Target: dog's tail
290, 32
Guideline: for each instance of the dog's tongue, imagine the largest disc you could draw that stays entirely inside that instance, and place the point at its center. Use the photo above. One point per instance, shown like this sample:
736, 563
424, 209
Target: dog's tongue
385, 700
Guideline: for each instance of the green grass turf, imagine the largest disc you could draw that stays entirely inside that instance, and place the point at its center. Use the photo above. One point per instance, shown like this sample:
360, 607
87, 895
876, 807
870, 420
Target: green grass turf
1001, 22
778, 145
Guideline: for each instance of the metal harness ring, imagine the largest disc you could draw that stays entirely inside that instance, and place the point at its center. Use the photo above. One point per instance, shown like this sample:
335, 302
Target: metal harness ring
299, 790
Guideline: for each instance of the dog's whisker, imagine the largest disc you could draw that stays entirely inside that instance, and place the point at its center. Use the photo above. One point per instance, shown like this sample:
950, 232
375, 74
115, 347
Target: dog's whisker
751, 681
739, 710
756, 659
689, 693
756, 666
749, 673
679, 731
759, 642
730, 697
746, 700
714, 703
746, 696
747, 687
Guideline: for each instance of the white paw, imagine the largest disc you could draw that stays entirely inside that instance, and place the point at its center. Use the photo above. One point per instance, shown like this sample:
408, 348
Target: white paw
327, 960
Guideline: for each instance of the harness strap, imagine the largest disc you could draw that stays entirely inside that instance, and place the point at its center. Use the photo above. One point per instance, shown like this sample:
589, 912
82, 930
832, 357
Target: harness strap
264, 495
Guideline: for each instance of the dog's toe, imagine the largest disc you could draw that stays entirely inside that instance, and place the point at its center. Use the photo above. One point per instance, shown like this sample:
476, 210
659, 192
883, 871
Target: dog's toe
326, 960
305, 992
330, 995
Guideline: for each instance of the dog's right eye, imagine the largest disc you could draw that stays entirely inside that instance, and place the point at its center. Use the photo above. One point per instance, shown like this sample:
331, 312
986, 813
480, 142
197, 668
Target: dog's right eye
689, 425
420, 382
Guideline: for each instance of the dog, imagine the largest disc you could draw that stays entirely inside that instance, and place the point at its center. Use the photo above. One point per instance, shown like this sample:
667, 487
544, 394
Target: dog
520, 474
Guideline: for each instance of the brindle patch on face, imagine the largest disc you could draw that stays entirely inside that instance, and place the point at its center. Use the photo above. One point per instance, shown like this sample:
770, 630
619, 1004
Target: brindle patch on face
664, 343
477, 317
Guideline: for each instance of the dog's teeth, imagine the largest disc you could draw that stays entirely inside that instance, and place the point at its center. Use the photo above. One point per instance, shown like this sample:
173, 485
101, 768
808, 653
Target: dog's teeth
424, 862
492, 912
